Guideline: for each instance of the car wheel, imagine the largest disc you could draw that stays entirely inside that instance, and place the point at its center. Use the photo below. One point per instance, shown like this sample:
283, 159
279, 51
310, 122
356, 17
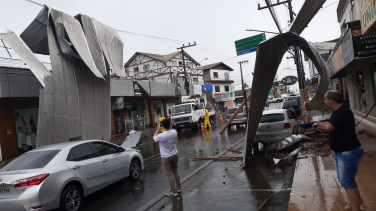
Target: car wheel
135, 170
71, 199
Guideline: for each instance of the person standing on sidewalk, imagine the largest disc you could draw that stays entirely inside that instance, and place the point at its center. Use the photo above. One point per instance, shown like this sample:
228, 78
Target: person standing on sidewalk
345, 144
169, 153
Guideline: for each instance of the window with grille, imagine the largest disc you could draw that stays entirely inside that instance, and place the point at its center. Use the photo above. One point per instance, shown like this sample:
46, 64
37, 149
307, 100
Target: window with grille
215, 74
227, 88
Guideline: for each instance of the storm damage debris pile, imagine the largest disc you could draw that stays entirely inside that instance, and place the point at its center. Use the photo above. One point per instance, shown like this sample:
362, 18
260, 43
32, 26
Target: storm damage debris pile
75, 99
317, 146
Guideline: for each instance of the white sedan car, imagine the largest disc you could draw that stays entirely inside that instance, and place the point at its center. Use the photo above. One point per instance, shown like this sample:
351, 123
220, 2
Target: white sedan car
61, 175
275, 126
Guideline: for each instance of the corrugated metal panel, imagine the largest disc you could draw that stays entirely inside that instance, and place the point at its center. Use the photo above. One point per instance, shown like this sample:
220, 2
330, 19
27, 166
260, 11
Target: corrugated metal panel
77, 37
35, 35
59, 116
112, 47
269, 57
15, 42
94, 45
305, 15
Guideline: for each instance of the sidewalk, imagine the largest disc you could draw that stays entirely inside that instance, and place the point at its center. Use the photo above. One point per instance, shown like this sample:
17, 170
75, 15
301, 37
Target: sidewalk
316, 186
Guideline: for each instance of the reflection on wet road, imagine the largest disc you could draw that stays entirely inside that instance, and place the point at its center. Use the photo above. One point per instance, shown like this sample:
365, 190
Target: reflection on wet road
134, 194
192, 143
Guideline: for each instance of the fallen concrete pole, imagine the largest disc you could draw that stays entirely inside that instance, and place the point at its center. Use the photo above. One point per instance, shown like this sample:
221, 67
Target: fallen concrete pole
234, 114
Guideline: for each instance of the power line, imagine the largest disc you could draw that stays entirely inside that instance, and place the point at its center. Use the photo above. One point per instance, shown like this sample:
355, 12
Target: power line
327, 6
265, 17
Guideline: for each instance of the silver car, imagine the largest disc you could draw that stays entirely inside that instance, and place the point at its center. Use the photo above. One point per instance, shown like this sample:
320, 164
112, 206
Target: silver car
240, 119
61, 175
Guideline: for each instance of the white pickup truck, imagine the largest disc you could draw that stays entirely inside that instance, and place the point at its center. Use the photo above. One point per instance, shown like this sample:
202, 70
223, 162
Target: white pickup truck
190, 115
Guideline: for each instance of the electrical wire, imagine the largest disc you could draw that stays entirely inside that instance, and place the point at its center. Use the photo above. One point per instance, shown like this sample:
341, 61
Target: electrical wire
265, 17
327, 6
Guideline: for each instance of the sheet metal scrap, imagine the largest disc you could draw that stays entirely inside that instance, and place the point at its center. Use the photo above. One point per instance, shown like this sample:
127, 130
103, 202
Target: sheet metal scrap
15, 42
289, 141
132, 139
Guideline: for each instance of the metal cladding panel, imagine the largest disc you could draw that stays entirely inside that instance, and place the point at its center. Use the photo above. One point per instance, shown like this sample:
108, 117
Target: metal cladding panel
162, 89
305, 15
126, 88
95, 104
77, 37
35, 35
269, 56
94, 45
112, 47
15, 42
59, 116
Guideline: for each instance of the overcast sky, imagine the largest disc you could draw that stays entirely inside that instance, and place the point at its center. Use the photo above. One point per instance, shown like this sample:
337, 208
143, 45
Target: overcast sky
213, 24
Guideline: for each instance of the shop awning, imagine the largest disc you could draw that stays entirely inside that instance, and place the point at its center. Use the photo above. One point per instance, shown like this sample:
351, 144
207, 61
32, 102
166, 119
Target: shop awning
305, 15
207, 88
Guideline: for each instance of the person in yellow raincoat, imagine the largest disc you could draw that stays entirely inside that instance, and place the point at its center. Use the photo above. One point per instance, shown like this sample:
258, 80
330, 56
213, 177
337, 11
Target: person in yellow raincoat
206, 119
159, 122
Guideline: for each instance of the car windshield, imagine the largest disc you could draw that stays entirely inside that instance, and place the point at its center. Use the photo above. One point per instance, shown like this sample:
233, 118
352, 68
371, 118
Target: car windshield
231, 110
183, 109
31, 160
272, 118
291, 103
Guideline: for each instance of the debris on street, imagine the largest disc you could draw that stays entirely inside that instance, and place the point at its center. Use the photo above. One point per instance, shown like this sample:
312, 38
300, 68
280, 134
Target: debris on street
233, 150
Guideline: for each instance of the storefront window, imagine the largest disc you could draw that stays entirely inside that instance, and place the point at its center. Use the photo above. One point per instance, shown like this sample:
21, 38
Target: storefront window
132, 116
26, 127
158, 110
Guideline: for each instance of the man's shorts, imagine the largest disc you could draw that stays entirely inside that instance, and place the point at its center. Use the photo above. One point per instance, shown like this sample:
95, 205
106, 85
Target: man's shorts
347, 163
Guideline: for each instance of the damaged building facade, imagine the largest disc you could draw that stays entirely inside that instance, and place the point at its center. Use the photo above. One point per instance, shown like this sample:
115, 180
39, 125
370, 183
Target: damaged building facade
71, 99
161, 79
353, 59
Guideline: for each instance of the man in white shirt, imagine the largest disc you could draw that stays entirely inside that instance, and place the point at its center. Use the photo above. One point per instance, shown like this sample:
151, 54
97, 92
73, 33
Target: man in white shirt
169, 153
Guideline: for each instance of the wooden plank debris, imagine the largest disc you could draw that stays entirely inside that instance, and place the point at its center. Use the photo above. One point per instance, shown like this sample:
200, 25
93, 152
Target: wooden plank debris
234, 150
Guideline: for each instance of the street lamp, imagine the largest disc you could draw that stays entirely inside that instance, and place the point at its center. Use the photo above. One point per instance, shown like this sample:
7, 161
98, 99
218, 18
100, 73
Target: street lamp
203, 60
253, 30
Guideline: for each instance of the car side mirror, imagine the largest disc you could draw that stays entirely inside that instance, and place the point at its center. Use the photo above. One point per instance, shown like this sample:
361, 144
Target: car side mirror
121, 149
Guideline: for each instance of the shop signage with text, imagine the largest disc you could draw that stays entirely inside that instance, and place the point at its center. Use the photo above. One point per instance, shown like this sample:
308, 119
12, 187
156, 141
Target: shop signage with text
367, 14
221, 97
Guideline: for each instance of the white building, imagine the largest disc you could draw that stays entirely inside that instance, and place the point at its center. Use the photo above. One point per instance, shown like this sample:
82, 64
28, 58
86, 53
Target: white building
218, 76
161, 68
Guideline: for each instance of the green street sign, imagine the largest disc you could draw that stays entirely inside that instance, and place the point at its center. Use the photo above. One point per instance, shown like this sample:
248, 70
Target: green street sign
249, 45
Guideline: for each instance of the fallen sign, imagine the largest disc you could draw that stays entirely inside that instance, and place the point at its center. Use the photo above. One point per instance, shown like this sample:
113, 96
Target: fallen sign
219, 158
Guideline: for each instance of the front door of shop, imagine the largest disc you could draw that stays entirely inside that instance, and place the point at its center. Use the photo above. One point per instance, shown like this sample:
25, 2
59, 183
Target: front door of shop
134, 120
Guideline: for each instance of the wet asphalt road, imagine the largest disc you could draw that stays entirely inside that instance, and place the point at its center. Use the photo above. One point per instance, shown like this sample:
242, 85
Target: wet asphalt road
131, 195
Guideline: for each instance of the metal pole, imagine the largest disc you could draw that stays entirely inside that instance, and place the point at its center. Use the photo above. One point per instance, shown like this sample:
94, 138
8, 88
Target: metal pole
186, 82
244, 94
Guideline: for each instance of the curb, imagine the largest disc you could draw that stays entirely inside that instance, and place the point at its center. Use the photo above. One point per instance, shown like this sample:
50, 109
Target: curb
158, 198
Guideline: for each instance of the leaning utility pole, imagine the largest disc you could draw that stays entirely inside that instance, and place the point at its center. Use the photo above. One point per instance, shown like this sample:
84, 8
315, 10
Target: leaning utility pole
186, 82
297, 53
244, 93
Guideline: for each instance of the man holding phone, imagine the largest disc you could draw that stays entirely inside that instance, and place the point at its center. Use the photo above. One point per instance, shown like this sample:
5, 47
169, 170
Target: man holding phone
169, 153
